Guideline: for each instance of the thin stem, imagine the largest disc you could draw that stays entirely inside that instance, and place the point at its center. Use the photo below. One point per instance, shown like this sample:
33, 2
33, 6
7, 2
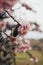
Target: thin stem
12, 17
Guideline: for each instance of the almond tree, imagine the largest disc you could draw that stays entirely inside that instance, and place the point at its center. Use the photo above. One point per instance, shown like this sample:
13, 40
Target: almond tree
6, 7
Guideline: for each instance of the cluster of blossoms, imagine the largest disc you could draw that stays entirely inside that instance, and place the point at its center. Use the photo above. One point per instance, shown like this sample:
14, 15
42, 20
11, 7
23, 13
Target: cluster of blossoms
22, 29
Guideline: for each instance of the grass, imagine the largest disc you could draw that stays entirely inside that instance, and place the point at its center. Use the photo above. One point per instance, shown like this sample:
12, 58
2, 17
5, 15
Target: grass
23, 58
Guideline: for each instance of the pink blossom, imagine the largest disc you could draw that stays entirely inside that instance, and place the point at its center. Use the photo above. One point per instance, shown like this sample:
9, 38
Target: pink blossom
23, 47
35, 59
23, 29
7, 4
2, 24
12, 38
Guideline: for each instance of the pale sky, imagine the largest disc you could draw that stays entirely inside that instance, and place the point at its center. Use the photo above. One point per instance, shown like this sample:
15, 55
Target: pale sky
22, 14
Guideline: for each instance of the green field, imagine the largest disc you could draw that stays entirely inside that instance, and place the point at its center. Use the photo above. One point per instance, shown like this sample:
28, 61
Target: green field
23, 58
